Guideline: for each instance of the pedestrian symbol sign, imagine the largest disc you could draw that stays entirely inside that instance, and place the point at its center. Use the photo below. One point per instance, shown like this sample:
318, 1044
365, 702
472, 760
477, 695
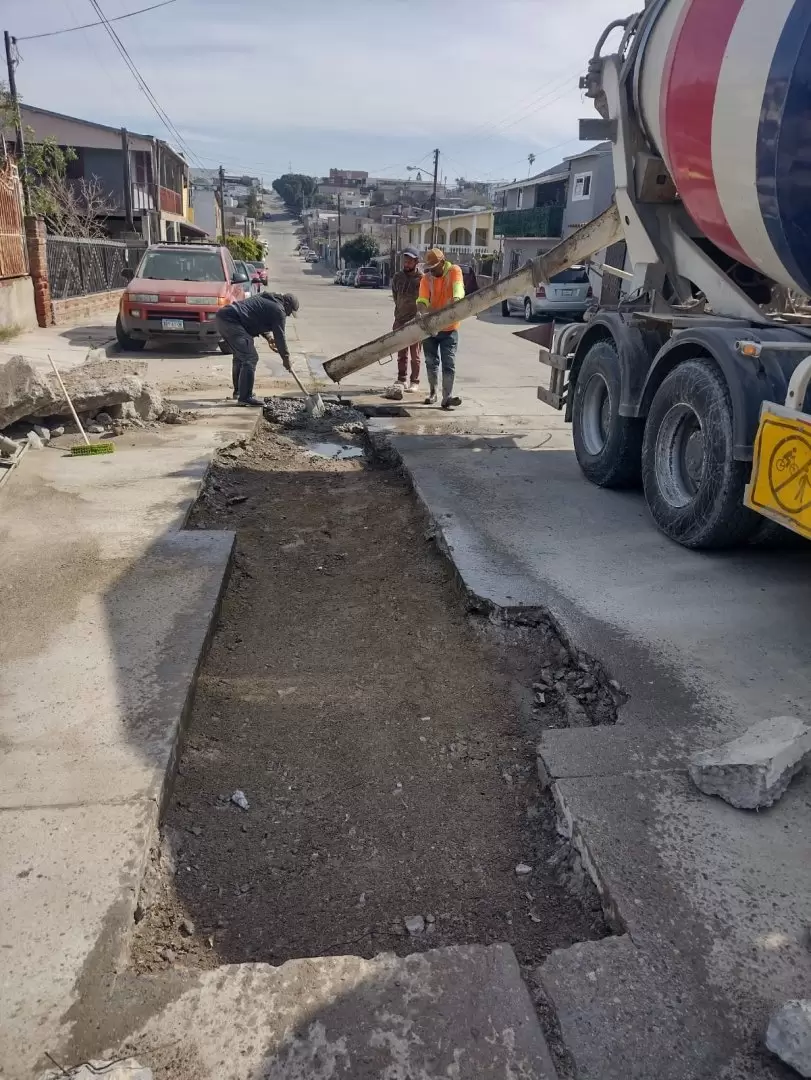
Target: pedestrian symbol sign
780, 486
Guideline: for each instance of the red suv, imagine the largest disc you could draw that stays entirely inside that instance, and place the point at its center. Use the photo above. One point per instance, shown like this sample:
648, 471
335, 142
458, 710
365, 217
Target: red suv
175, 293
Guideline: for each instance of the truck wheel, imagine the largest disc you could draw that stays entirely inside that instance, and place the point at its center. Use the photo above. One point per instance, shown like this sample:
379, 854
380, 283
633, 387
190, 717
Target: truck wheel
528, 316
693, 484
124, 340
607, 445
505, 309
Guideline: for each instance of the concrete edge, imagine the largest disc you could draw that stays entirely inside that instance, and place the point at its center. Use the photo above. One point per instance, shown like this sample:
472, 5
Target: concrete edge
386, 452
125, 912
108, 349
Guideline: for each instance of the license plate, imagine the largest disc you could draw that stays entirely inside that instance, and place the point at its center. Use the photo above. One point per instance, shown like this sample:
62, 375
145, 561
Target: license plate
780, 487
172, 324
567, 292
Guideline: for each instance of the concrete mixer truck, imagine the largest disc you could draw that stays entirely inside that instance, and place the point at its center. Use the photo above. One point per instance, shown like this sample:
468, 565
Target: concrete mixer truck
689, 383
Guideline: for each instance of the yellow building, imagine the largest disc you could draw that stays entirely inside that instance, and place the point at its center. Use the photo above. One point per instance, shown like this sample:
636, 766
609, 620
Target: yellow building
461, 234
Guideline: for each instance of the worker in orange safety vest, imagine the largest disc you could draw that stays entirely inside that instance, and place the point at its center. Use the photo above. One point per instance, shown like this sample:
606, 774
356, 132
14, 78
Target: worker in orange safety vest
442, 283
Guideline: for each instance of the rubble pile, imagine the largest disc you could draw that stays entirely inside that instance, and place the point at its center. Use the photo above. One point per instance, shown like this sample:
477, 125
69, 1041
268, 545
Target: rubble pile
291, 413
109, 396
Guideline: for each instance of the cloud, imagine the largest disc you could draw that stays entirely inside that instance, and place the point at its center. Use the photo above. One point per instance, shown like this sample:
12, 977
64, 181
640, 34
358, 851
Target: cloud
486, 82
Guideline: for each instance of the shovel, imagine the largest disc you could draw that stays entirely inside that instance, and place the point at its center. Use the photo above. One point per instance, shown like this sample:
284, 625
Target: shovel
313, 403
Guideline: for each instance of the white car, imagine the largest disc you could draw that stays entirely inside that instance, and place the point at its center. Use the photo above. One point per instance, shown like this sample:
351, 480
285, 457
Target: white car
569, 293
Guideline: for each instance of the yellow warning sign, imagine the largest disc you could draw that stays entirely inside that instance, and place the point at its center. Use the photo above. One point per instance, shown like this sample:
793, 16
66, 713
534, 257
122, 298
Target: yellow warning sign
780, 486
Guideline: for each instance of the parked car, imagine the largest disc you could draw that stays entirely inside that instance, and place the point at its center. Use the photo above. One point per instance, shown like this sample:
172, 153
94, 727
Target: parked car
261, 271
368, 277
246, 269
349, 277
312, 257
339, 278
175, 293
568, 293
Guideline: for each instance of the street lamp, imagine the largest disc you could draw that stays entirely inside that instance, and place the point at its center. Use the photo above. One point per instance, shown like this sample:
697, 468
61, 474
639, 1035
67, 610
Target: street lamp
413, 168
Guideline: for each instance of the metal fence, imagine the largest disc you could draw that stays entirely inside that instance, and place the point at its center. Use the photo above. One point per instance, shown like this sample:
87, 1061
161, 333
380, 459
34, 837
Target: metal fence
13, 256
78, 267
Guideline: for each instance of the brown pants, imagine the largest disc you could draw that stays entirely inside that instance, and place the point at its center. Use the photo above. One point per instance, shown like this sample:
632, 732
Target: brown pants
402, 363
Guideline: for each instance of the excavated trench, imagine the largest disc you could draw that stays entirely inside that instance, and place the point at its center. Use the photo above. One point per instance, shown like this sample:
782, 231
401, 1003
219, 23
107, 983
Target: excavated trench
381, 726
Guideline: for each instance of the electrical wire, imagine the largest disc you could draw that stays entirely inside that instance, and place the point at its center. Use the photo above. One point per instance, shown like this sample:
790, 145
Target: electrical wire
144, 87
86, 26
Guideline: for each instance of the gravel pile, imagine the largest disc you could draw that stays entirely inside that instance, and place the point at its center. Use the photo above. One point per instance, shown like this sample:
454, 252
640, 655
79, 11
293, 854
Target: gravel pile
291, 413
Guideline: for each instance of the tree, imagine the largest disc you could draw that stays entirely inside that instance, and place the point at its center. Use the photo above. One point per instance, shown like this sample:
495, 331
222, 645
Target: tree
294, 188
244, 247
360, 249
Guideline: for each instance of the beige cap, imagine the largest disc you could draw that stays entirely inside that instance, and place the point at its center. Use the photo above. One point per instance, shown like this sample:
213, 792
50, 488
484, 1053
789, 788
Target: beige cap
433, 258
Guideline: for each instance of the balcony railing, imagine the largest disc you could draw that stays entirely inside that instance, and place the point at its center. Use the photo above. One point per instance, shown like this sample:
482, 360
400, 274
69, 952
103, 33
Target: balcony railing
537, 221
171, 201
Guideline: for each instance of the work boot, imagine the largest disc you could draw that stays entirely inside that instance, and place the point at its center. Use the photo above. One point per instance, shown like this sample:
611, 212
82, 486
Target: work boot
431, 399
252, 403
448, 400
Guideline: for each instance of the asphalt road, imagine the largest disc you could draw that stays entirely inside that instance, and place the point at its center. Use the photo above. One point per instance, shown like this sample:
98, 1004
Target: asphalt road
704, 644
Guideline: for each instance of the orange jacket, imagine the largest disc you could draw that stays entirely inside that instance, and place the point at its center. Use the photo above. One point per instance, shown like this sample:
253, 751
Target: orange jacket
438, 292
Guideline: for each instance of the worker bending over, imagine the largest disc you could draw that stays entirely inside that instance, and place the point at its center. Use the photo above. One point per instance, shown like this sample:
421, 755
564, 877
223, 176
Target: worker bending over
239, 323
441, 284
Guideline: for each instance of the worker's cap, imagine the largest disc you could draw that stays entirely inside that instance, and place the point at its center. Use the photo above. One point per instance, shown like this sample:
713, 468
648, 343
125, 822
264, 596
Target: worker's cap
433, 258
291, 304
410, 253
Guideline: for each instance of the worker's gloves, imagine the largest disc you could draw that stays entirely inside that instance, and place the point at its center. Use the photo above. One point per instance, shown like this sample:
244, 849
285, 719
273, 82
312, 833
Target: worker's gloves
286, 363
271, 342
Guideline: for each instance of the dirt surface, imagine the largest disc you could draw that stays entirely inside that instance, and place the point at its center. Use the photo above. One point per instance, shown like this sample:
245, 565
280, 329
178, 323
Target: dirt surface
376, 728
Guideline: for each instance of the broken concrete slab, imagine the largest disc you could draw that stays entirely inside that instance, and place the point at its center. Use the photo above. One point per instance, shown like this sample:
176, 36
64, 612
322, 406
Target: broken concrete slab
755, 769
462, 1011
26, 391
789, 1035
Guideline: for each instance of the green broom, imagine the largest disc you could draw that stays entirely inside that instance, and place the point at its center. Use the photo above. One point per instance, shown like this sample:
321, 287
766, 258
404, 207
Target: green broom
87, 447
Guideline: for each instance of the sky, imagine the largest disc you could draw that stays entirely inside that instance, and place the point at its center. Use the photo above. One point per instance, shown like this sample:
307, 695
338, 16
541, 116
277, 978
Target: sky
266, 86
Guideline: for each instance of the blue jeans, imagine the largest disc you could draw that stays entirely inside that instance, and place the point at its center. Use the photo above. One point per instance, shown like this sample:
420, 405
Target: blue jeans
441, 346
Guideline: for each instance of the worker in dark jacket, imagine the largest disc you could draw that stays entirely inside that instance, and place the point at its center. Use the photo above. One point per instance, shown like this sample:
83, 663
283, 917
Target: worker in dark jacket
239, 323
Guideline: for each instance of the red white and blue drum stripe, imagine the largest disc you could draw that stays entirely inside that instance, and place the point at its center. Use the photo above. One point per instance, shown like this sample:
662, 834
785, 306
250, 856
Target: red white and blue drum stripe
726, 94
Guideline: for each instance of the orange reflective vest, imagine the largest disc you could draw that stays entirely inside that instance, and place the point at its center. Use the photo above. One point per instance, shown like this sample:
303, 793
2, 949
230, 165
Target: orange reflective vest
438, 292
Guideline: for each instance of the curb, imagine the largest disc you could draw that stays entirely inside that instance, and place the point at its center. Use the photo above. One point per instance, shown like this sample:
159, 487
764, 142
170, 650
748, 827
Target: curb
108, 349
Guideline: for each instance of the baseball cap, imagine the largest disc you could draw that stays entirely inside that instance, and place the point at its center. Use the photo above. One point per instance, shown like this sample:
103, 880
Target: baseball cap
411, 253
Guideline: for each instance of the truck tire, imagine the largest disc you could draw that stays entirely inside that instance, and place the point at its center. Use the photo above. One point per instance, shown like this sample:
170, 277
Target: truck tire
608, 446
505, 309
124, 340
693, 484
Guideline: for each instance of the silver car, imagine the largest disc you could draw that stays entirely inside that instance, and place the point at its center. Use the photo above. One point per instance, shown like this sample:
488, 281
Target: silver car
569, 293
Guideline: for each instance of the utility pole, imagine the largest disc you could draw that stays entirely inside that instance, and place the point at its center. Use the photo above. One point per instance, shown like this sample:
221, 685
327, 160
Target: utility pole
433, 200
11, 64
340, 243
129, 221
221, 201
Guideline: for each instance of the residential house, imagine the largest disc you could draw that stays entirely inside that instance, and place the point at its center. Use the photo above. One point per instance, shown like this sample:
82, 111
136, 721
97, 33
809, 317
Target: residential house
140, 176
535, 214
206, 209
460, 233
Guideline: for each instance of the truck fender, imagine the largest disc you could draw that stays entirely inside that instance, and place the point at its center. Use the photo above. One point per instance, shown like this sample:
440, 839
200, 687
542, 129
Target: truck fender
635, 347
750, 381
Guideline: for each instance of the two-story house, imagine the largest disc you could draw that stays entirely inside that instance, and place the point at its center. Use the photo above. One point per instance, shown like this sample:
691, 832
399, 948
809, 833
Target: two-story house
460, 233
144, 181
535, 214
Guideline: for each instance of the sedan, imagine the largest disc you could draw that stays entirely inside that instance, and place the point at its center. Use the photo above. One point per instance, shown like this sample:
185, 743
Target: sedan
349, 277
261, 270
338, 279
246, 269
569, 293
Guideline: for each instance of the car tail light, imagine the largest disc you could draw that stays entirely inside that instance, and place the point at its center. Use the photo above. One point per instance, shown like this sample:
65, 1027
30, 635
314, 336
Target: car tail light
540, 292
590, 293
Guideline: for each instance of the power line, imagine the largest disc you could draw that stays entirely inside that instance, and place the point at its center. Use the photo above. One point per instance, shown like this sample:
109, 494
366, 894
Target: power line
143, 85
86, 26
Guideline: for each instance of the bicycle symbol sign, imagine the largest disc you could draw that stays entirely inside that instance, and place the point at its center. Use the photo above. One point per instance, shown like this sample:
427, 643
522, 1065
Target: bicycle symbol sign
790, 474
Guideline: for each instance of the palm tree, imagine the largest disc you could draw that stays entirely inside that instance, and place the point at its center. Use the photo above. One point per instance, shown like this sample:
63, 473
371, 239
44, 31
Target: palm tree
531, 160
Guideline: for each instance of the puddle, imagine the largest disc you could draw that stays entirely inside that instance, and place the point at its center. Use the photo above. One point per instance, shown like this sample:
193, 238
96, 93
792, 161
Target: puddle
334, 450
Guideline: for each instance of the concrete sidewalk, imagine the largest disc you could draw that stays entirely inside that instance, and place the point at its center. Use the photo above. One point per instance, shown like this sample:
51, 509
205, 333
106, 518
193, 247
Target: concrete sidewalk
68, 345
106, 605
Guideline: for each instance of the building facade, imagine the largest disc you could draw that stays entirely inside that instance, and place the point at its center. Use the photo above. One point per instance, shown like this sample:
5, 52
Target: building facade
140, 177
461, 235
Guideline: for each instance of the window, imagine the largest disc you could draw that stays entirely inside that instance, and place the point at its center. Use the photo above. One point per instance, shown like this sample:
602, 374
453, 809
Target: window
143, 168
582, 187
182, 265
481, 238
514, 259
520, 204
